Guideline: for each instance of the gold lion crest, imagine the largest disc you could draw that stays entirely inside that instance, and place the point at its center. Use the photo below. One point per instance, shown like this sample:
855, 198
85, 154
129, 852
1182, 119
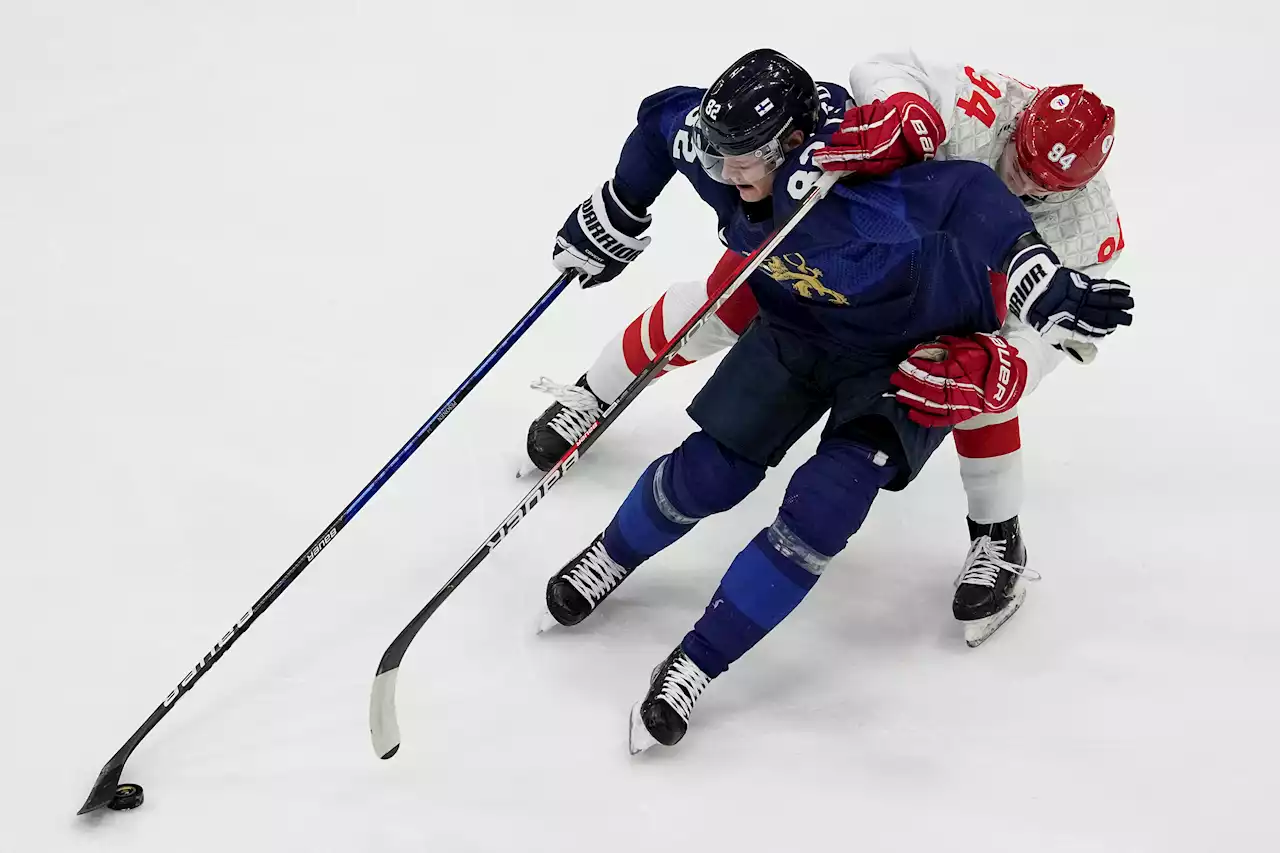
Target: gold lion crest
804, 279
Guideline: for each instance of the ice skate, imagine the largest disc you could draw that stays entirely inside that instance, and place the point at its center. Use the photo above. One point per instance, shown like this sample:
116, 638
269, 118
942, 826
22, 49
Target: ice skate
992, 585
584, 582
562, 425
662, 717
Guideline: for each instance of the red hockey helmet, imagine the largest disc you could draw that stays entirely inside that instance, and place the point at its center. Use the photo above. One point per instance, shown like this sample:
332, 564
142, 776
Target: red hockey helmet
1064, 136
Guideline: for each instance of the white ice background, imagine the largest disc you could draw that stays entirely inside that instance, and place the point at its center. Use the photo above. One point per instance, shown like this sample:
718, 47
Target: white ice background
246, 248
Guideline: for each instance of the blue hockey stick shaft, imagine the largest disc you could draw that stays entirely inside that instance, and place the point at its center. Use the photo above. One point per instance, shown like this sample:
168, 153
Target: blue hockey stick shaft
457, 396
108, 779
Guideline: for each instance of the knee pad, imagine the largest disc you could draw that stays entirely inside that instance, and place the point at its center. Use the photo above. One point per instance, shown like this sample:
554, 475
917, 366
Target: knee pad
827, 500
702, 477
675, 492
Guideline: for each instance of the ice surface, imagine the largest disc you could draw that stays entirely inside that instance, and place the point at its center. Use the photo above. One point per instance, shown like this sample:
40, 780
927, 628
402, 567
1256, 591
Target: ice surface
247, 248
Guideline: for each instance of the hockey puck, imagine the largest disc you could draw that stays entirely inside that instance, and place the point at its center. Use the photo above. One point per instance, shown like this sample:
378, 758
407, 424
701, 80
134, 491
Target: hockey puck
126, 797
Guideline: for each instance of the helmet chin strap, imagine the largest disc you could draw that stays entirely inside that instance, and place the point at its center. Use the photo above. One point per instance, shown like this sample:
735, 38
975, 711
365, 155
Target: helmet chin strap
1051, 197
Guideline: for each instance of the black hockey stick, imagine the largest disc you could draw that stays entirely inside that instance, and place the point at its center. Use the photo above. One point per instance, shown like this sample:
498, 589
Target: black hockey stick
383, 725
107, 788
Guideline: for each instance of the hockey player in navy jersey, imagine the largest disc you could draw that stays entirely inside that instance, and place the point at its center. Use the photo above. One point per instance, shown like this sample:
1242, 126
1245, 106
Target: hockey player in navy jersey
872, 271
1048, 145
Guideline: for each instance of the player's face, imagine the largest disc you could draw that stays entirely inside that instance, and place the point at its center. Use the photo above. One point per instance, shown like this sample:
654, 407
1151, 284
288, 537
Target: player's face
1014, 176
754, 180
746, 169
752, 174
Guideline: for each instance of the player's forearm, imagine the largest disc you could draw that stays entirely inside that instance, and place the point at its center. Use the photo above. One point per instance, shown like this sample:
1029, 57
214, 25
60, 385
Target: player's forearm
643, 171
1039, 355
879, 78
1102, 270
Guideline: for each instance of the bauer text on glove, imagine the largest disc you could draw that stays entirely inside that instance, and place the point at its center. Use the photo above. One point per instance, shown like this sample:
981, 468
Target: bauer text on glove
879, 137
952, 379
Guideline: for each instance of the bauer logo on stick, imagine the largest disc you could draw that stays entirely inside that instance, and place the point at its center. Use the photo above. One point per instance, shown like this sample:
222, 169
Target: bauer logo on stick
204, 661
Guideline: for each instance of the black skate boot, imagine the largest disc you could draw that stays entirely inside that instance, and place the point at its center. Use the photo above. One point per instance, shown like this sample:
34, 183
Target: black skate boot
563, 423
990, 587
585, 581
663, 715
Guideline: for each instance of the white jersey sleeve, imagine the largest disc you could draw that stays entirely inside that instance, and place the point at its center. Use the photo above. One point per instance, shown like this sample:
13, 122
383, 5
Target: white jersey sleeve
1040, 356
890, 73
977, 107
1083, 229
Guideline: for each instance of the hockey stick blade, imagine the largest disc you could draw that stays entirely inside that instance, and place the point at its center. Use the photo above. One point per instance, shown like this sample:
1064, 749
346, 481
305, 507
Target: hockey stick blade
382, 714
383, 726
104, 789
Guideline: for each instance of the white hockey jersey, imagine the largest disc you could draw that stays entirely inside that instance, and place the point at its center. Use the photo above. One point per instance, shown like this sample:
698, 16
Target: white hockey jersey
980, 109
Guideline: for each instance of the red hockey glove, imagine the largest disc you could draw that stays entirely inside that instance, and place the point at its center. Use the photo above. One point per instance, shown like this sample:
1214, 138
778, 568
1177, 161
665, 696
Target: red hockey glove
953, 379
879, 137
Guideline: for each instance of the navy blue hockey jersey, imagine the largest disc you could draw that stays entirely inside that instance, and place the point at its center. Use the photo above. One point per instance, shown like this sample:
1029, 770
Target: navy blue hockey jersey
875, 267
880, 266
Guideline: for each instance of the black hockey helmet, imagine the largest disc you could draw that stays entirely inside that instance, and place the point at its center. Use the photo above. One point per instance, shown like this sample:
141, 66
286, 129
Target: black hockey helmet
752, 107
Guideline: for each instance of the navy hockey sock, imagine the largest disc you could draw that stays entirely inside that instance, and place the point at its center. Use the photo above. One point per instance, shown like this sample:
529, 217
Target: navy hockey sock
826, 502
697, 479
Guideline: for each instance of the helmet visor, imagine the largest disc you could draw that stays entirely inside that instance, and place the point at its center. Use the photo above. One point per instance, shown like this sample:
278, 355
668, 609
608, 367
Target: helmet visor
736, 169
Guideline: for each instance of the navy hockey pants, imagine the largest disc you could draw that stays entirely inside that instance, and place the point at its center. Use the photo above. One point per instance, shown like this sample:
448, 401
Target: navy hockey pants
758, 404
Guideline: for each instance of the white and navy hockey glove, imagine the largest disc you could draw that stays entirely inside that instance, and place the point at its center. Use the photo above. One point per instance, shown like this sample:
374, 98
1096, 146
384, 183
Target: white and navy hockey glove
1068, 308
600, 237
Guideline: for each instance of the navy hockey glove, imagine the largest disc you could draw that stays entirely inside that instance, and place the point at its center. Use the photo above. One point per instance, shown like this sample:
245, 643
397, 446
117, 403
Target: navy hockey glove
1066, 307
600, 237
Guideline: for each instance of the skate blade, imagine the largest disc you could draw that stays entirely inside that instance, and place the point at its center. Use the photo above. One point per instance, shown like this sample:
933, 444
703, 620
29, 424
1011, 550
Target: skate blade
980, 630
526, 468
546, 622
638, 737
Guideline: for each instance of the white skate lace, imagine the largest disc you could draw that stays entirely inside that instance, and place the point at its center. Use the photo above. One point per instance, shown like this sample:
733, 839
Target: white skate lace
581, 408
596, 574
985, 562
682, 685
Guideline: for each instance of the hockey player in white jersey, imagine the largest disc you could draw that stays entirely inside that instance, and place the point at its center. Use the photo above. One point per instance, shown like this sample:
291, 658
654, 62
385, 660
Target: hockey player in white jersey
1048, 146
